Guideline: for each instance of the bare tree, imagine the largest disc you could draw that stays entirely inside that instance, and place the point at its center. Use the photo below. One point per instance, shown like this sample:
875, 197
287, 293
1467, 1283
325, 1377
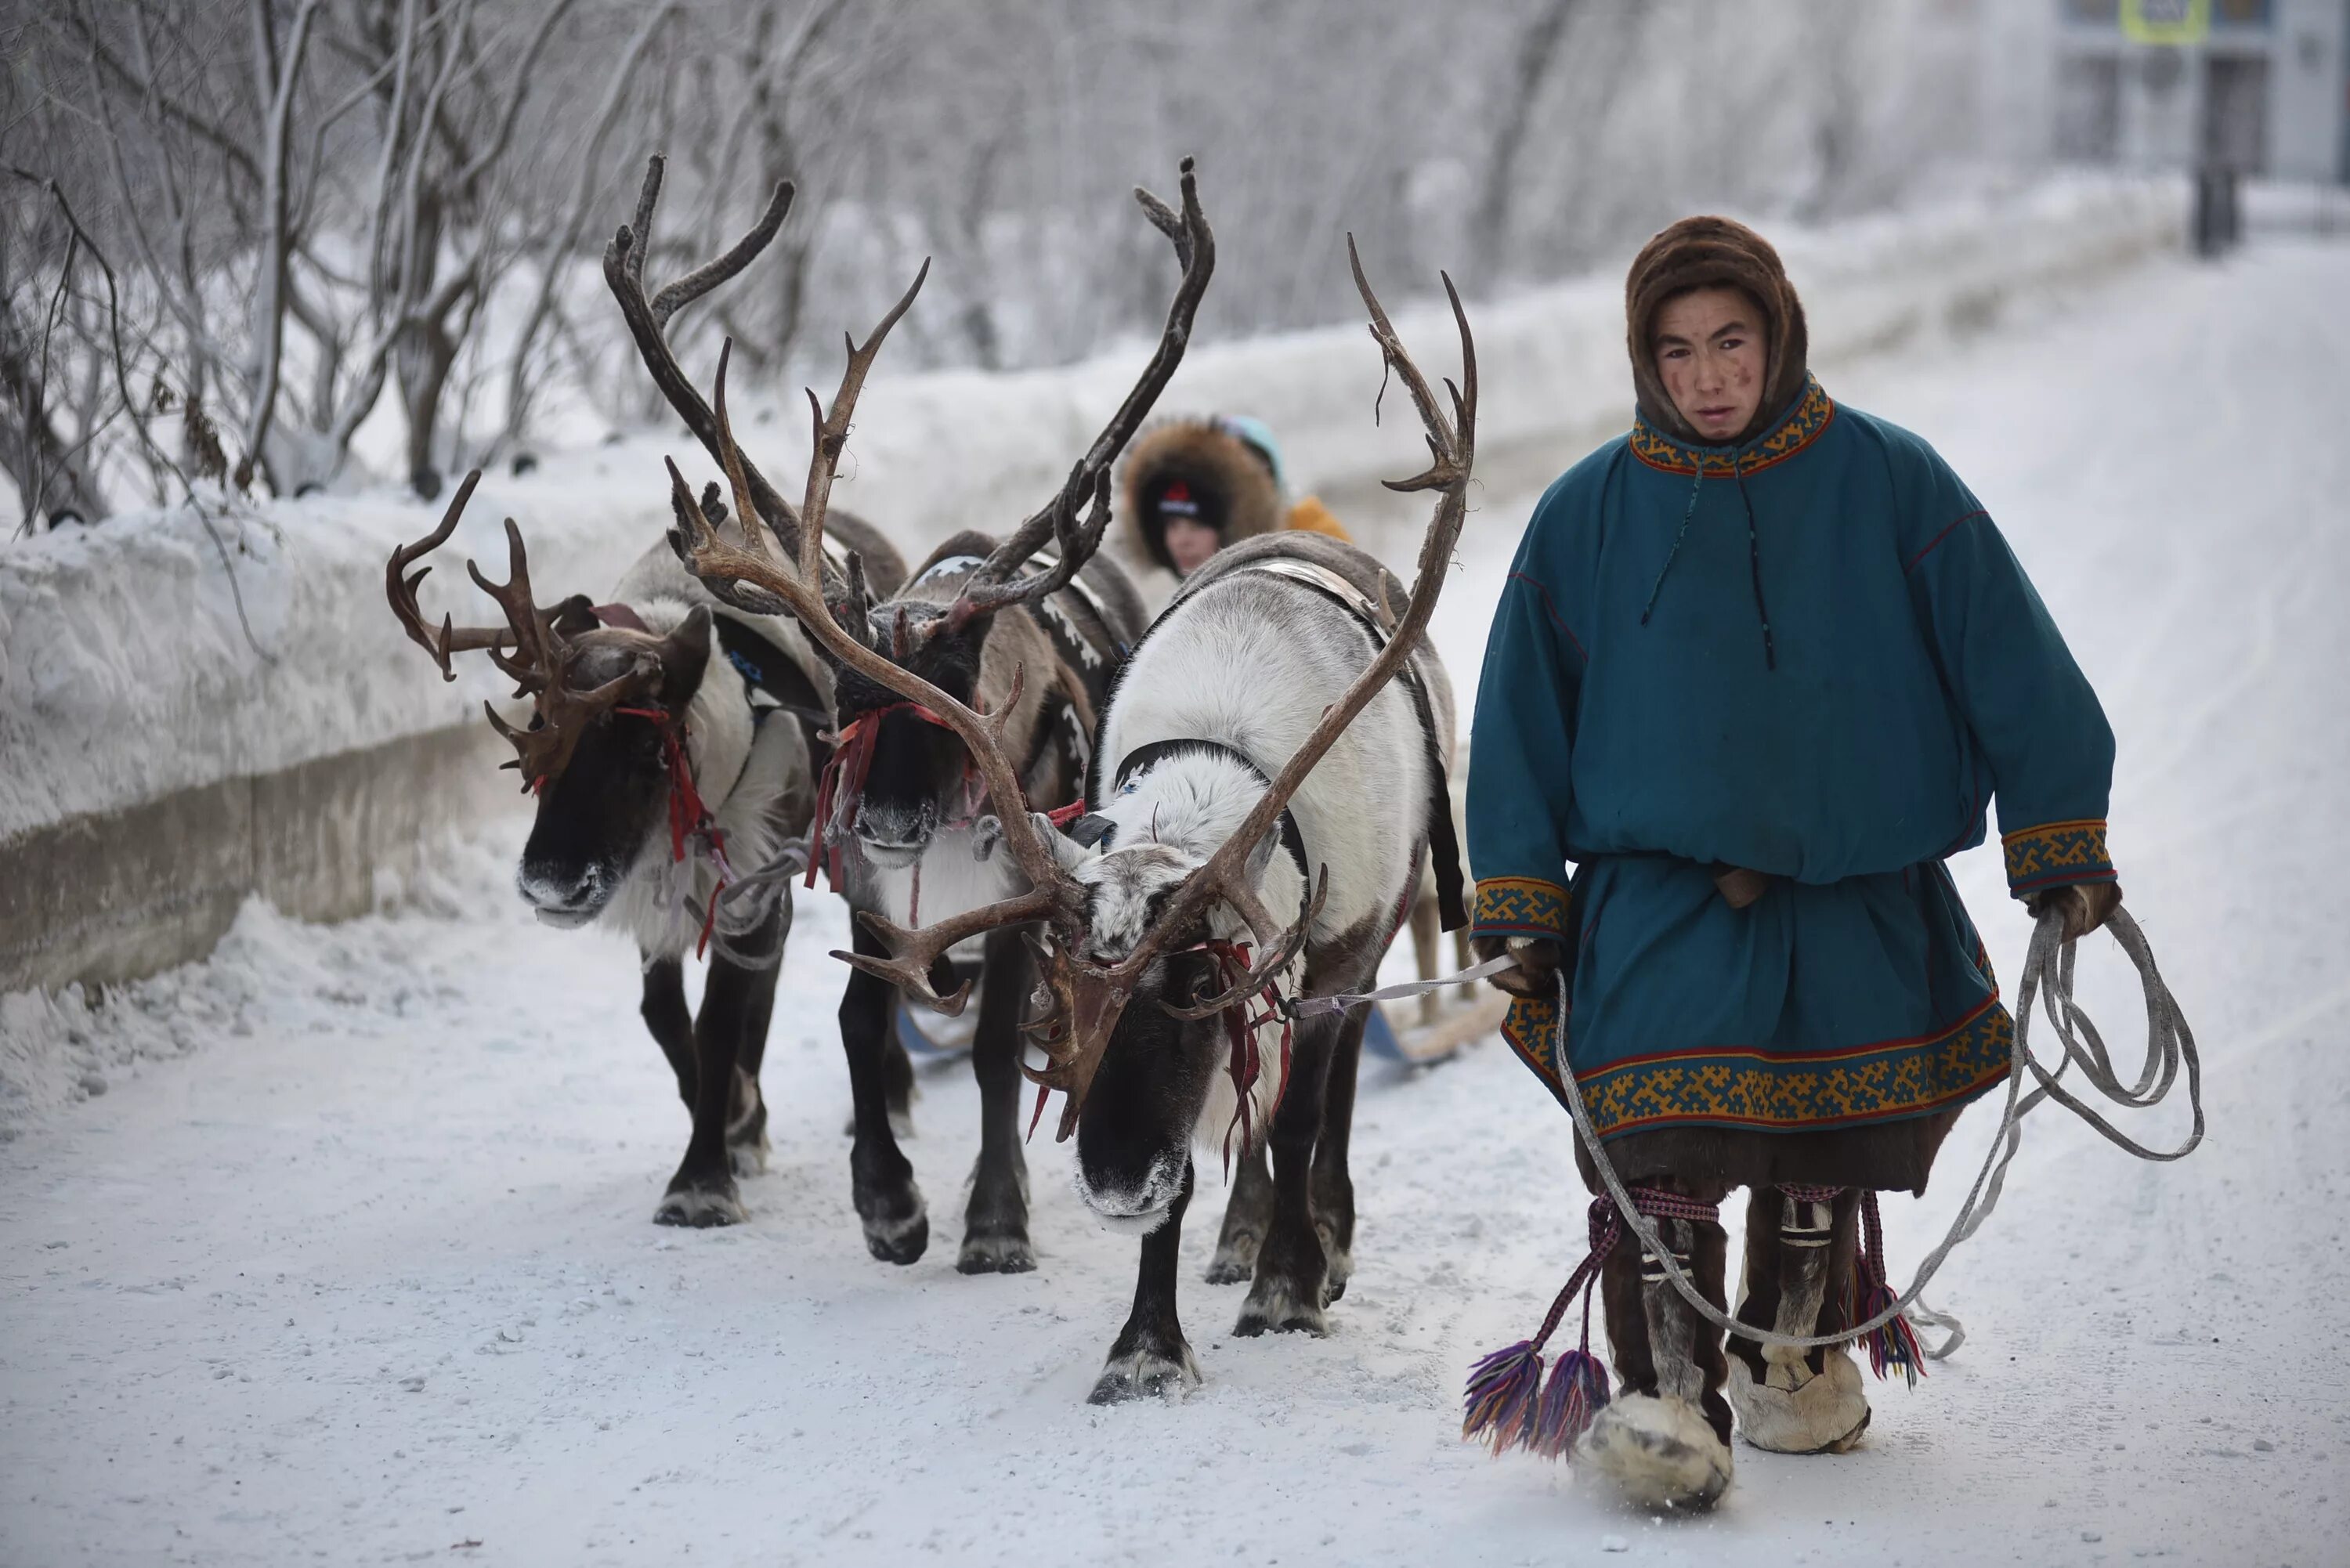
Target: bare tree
318, 203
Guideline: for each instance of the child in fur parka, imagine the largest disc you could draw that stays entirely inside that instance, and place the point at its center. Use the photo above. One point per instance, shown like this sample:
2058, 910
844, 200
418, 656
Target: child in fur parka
1191, 485
1759, 667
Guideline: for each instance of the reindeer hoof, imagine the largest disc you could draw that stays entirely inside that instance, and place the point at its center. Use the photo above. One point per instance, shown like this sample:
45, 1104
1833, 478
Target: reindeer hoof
1145, 1375
899, 1242
995, 1255
1273, 1308
1234, 1263
1340, 1266
700, 1207
748, 1159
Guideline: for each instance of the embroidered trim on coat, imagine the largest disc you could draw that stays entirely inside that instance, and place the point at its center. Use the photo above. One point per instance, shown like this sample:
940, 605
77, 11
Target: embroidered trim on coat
1812, 414
1519, 906
1774, 1092
2054, 854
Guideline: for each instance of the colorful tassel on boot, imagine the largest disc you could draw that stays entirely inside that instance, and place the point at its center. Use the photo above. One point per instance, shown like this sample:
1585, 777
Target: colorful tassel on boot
1576, 1392
1507, 1405
1503, 1390
1892, 1343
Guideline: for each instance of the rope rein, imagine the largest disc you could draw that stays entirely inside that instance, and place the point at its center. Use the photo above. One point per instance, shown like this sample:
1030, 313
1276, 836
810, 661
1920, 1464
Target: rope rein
2047, 979
1510, 1404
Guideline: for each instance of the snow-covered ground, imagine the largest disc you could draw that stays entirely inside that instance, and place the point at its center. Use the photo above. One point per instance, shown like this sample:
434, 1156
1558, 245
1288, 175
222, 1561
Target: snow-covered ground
372, 1278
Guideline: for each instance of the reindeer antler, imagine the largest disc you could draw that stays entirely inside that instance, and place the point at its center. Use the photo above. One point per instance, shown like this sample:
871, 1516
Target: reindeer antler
987, 588
401, 589
648, 318
536, 664
1090, 997
754, 578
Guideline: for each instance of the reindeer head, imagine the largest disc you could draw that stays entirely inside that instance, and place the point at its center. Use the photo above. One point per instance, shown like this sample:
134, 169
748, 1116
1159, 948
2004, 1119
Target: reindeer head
608, 705
1173, 1072
912, 773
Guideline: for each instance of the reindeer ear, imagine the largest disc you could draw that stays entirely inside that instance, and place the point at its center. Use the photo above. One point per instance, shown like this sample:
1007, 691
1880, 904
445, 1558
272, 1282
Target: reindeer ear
684, 655
574, 615
1261, 856
1069, 852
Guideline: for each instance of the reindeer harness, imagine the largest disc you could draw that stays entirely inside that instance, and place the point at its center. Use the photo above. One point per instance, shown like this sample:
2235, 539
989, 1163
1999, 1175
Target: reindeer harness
692, 822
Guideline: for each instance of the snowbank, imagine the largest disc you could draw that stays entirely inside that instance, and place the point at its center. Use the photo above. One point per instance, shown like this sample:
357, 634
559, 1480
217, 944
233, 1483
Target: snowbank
125, 676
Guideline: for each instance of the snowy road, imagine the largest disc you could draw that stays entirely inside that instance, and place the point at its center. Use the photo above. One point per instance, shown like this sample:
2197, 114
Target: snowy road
370, 1277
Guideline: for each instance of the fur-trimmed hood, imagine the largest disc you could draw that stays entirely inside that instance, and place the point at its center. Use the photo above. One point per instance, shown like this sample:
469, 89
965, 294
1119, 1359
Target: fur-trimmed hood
1706, 252
1231, 480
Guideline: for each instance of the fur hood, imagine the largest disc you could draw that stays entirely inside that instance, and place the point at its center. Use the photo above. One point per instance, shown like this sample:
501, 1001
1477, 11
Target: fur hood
1231, 481
1704, 253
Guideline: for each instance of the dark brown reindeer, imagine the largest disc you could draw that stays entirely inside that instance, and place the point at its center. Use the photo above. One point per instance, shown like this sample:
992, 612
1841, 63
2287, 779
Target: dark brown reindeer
1030, 628
1156, 1020
674, 742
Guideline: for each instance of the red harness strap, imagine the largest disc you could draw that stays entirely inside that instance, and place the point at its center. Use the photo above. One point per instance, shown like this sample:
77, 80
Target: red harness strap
1246, 1064
688, 816
843, 782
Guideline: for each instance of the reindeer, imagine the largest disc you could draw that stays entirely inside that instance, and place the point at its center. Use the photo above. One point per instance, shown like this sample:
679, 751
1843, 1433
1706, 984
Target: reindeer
1030, 636
1214, 818
674, 749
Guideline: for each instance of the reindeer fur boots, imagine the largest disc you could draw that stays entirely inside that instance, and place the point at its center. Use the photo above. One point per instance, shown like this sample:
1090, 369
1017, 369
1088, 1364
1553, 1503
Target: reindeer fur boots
1665, 1439
1797, 1282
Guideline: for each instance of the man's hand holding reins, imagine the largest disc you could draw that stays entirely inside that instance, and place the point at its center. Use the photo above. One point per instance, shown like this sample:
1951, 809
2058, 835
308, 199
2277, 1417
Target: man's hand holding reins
1537, 971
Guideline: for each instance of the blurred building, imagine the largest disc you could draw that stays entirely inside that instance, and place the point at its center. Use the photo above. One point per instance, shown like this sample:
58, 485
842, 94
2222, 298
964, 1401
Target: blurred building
2262, 87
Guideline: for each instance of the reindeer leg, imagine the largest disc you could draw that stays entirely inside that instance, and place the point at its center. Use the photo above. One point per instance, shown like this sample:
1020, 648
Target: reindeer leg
1151, 1355
888, 1204
1292, 1271
996, 1224
1332, 1188
1247, 1212
737, 999
746, 1120
1426, 950
669, 1020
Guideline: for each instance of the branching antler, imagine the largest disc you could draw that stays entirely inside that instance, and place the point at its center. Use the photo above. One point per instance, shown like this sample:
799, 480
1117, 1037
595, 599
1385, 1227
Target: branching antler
534, 633
649, 318
996, 584
754, 578
1268, 969
401, 589
753, 575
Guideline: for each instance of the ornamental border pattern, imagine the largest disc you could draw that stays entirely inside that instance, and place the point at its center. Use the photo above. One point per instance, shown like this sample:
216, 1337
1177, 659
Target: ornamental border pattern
1811, 417
2056, 852
1764, 1092
1518, 906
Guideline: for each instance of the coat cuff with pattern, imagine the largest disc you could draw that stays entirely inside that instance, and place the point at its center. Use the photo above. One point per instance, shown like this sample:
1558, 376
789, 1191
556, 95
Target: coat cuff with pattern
1519, 906
2055, 854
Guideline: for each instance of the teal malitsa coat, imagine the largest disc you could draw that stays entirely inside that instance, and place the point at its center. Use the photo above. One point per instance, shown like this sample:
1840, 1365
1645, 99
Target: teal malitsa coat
1812, 656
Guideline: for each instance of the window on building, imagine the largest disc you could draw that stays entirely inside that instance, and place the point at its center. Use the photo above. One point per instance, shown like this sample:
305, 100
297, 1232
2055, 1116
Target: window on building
2092, 11
2089, 108
2241, 13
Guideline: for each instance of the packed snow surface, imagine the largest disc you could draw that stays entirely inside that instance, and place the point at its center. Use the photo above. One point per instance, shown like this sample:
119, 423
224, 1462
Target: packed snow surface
370, 1276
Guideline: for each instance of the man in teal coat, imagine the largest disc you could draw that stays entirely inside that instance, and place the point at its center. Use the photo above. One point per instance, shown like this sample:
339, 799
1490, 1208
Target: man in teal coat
1759, 667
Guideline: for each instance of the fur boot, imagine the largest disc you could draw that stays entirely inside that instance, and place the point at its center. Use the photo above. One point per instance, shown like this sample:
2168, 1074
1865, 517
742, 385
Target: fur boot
1796, 1280
1665, 1439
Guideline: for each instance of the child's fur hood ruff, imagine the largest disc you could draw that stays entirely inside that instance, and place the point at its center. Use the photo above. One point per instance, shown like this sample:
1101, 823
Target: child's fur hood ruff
1231, 481
1707, 252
